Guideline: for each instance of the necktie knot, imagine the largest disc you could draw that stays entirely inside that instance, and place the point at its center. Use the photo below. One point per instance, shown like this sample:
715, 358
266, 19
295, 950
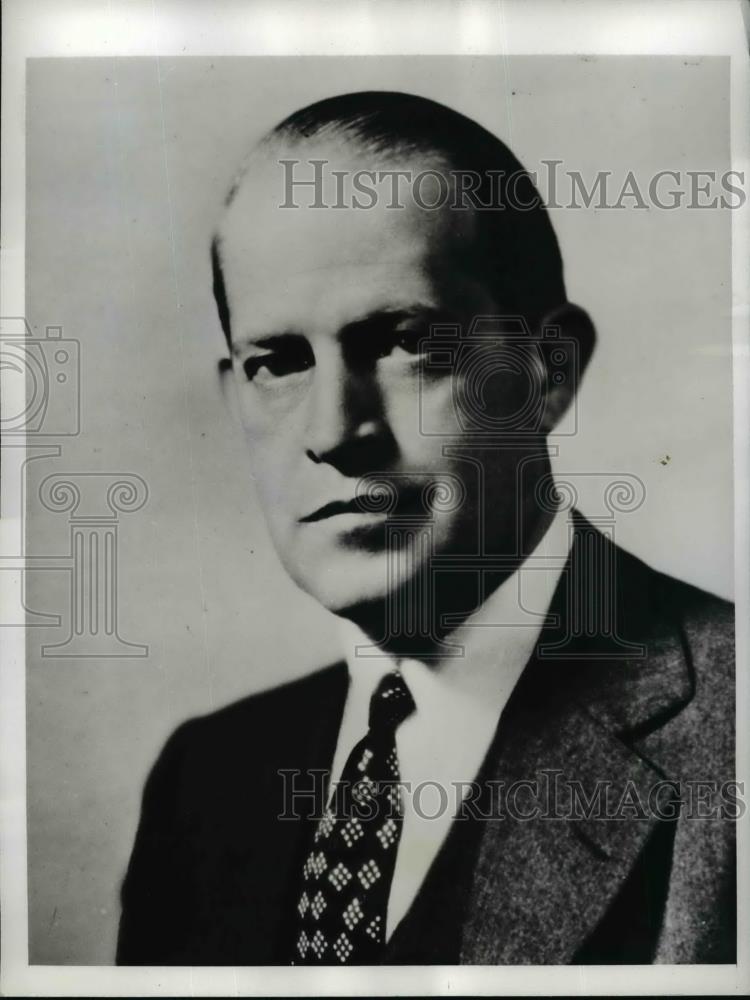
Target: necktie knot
391, 703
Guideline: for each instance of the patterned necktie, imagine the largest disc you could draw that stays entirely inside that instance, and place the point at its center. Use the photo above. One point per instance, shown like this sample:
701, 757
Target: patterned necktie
346, 879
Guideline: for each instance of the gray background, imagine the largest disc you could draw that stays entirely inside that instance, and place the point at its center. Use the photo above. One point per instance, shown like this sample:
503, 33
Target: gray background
127, 162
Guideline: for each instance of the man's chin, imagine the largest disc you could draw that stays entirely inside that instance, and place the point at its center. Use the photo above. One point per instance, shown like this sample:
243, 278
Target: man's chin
347, 597
347, 581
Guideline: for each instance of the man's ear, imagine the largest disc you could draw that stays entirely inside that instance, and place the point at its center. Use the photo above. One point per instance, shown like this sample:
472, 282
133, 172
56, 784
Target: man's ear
228, 386
567, 338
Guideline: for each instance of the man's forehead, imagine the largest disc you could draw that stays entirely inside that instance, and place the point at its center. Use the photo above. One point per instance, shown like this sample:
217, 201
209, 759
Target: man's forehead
257, 228
267, 163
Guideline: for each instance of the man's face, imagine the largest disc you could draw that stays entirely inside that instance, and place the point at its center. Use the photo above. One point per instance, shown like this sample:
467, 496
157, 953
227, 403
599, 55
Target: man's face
328, 308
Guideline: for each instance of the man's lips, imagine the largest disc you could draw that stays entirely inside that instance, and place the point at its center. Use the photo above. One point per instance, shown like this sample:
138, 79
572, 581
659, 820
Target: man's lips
409, 501
352, 506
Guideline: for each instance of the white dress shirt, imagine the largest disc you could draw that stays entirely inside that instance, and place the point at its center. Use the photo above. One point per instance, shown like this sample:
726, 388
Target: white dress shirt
459, 701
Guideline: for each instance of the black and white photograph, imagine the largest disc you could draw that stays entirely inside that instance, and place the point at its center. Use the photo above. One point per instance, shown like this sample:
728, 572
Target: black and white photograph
375, 491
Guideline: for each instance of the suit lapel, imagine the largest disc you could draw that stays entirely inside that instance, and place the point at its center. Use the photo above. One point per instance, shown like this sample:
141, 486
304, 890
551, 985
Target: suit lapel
541, 885
569, 736
293, 785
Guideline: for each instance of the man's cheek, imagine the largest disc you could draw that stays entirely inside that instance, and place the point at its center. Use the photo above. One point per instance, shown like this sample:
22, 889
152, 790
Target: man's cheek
422, 417
273, 483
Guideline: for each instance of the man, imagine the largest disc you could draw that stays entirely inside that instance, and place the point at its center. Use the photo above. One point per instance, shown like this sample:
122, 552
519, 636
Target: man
398, 362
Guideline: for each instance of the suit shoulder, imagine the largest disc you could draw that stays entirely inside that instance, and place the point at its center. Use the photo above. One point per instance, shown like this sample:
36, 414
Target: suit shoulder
261, 712
707, 620
665, 599
702, 623
698, 741
693, 603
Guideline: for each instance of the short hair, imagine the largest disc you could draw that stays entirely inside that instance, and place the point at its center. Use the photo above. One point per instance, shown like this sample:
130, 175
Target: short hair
515, 249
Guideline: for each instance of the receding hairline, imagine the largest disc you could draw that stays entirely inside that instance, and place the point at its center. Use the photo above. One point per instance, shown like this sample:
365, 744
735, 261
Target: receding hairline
273, 147
385, 123
392, 124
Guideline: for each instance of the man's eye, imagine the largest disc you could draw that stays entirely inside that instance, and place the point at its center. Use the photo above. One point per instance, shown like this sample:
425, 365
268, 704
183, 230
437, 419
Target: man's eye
410, 340
407, 341
276, 365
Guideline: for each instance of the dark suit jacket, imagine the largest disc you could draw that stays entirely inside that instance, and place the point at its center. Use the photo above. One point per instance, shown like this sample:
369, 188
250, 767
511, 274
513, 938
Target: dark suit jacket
631, 686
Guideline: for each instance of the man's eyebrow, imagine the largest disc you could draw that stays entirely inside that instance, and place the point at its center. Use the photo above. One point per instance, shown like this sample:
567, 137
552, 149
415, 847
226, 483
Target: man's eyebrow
266, 340
392, 317
379, 318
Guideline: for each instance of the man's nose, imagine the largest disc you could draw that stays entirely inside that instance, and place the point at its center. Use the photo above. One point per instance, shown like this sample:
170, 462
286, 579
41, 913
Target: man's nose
345, 419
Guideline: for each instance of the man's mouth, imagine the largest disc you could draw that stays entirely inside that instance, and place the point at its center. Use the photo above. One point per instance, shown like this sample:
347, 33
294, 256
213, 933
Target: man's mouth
332, 509
409, 502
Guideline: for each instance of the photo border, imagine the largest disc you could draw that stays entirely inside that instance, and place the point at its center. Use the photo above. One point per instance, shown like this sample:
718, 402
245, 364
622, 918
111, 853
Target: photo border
36, 28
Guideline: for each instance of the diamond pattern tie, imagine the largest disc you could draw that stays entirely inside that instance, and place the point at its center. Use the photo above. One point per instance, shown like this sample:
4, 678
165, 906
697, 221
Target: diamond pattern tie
346, 879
